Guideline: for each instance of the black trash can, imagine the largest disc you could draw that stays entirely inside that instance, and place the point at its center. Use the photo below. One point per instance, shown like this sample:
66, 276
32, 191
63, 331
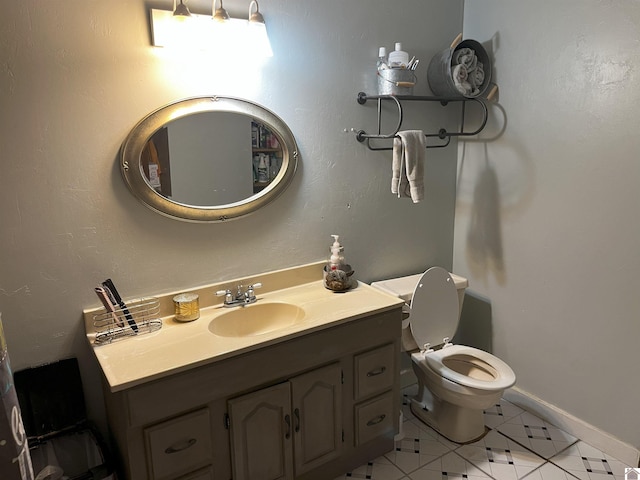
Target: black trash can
62, 442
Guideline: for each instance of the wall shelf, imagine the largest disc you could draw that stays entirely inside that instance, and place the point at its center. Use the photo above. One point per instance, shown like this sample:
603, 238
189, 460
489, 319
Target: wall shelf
442, 134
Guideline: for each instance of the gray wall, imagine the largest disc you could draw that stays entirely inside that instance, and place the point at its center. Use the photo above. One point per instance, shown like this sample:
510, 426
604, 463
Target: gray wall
76, 76
547, 227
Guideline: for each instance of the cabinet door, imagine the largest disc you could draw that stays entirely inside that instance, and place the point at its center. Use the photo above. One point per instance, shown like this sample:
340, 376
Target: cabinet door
261, 434
317, 417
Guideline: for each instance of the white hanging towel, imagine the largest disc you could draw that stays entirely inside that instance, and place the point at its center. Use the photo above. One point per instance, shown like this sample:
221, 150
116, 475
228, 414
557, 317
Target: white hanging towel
407, 175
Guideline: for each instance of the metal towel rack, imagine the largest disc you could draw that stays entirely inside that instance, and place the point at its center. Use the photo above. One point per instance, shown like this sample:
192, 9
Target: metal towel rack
442, 134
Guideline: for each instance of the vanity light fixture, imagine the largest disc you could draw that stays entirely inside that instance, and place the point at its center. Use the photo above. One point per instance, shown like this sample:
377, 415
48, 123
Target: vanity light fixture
180, 10
219, 14
218, 32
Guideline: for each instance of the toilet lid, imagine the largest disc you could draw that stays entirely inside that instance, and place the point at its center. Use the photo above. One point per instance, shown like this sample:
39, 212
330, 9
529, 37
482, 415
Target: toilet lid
434, 307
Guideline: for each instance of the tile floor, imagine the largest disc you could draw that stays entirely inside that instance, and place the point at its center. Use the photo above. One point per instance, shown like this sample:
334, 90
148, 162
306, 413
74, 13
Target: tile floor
518, 446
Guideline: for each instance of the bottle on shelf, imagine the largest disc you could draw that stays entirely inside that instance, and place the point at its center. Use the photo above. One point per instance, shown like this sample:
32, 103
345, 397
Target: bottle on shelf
382, 59
398, 58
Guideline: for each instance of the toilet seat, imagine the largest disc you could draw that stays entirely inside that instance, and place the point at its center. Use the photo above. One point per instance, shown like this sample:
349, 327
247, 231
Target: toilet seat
434, 317
470, 367
434, 308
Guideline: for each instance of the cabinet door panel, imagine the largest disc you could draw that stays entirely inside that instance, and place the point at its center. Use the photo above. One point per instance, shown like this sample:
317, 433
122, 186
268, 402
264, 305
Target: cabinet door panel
261, 434
317, 417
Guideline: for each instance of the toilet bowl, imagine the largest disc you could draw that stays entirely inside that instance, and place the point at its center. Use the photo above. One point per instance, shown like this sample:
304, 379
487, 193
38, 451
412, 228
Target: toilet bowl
455, 382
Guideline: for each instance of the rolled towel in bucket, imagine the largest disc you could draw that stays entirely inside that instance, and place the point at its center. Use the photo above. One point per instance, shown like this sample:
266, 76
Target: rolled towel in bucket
460, 79
465, 56
476, 76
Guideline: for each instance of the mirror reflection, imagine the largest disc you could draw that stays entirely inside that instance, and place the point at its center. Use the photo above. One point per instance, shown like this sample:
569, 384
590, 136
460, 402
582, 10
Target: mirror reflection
211, 158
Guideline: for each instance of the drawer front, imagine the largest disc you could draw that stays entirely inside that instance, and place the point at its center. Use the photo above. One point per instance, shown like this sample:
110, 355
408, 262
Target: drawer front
374, 418
179, 445
374, 371
205, 474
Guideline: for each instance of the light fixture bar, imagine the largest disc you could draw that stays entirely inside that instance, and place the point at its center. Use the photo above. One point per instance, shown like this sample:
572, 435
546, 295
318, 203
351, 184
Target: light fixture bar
231, 37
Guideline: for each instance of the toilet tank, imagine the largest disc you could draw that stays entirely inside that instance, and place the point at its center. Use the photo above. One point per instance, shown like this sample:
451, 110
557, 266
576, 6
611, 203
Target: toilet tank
403, 287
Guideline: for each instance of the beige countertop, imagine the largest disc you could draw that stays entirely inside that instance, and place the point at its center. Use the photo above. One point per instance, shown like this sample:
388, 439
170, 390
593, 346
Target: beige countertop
179, 346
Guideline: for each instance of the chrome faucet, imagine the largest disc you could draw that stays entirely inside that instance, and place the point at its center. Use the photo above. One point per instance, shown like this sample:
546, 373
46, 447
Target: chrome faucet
240, 297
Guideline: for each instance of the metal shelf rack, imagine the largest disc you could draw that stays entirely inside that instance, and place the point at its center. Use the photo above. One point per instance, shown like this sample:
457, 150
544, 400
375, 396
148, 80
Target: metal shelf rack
443, 134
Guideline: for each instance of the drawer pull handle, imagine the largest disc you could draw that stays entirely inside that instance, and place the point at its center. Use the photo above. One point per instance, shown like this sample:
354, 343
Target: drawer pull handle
376, 420
287, 420
377, 371
180, 446
296, 413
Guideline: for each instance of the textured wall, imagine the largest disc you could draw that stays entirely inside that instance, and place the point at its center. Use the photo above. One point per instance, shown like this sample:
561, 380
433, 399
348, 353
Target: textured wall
76, 76
547, 227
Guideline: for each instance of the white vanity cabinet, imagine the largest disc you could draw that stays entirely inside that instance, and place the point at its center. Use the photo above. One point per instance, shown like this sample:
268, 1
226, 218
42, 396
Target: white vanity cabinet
312, 406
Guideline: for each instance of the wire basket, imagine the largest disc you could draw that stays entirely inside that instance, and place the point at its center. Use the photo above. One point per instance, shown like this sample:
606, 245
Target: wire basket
137, 317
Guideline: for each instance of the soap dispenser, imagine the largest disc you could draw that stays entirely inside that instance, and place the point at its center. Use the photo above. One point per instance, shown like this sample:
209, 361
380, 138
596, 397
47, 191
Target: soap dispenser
336, 261
337, 273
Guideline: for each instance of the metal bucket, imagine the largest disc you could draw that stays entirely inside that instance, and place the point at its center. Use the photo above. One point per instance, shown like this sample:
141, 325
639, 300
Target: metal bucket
439, 72
396, 81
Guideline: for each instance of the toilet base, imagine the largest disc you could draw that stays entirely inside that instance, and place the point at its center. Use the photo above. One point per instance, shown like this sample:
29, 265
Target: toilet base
458, 424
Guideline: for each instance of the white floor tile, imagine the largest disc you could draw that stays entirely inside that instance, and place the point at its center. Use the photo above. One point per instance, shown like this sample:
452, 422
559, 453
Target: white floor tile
549, 471
500, 457
536, 434
450, 466
379, 469
519, 446
500, 413
588, 463
419, 446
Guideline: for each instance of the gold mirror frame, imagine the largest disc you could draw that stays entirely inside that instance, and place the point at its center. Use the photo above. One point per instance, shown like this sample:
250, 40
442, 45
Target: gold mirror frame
134, 177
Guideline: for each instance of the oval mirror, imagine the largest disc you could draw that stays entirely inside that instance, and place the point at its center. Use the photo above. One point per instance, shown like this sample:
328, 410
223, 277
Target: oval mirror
209, 159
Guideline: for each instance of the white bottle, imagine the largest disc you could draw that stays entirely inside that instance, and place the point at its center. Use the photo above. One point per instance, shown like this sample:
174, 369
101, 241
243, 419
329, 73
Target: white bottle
382, 58
398, 58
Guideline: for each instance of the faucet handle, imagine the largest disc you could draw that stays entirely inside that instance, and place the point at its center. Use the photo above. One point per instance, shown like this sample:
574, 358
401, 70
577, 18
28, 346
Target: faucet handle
250, 295
228, 298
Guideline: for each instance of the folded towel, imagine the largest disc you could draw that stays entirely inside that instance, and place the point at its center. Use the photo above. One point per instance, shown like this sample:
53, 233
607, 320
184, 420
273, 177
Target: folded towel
409, 151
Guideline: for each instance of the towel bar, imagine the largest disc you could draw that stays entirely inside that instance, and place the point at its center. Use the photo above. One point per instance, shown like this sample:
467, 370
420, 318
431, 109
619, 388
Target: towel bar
443, 134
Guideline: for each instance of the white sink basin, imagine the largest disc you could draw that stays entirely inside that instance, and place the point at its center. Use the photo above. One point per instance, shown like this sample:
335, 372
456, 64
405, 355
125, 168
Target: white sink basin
256, 319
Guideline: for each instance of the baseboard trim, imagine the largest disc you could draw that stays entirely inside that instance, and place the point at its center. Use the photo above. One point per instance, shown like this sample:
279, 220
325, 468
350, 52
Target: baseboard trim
628, 454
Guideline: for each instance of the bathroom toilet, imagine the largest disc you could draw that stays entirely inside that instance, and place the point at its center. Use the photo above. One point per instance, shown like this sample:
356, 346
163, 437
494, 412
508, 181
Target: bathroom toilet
455, 382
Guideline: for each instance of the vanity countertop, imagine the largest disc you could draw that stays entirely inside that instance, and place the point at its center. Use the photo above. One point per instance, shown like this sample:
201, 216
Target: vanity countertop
179, 346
